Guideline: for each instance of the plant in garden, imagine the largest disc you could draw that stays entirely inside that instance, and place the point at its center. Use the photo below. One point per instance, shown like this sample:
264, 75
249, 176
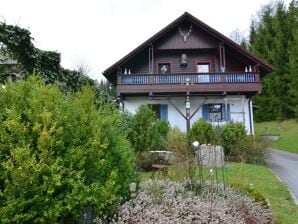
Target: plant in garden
201, 131
142, 129
177, 142
147, 132
59, 154
160, 132
169, 202
126, 122
17, 42
233, 134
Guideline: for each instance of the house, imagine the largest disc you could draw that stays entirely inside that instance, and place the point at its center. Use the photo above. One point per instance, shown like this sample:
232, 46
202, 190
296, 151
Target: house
189, 71
8, 70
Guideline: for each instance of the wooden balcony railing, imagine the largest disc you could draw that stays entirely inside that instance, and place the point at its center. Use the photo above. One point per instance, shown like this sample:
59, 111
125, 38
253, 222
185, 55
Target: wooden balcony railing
237, 82
192, 78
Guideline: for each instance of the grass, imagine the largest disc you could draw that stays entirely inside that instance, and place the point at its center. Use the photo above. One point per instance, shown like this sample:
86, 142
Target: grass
269, 186
264, 182
288, 131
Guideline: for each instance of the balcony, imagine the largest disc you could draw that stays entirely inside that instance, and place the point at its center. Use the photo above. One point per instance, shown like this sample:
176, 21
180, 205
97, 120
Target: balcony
202, 83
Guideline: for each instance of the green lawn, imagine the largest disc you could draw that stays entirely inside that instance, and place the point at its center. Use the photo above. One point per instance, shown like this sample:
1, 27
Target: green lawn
269, 186
263, 180
288, 131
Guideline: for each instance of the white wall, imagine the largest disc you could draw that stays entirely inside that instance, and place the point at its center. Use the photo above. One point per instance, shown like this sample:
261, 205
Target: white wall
131, 104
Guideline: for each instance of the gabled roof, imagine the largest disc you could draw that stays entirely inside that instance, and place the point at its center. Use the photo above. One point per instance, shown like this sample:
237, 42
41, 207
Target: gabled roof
187, 16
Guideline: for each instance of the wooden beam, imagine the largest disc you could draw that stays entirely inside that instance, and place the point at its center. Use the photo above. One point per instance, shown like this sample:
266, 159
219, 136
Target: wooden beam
179, 111
224, 55
198, 108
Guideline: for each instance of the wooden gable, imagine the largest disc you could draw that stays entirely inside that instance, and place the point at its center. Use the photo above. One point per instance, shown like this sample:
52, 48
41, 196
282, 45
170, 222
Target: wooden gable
186, 36
172, 37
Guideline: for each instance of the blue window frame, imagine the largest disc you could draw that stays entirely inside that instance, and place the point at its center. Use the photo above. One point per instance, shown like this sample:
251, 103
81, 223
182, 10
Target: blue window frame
216, 112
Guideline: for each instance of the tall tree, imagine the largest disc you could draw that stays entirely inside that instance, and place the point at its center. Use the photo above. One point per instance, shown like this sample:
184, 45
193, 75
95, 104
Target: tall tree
293, 57
272, 37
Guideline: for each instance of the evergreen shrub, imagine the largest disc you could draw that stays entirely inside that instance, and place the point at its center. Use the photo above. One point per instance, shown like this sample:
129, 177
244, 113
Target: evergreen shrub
59, 154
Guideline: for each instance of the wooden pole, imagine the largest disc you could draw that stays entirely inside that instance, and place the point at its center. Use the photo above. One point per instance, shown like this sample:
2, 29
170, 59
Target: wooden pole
187, 107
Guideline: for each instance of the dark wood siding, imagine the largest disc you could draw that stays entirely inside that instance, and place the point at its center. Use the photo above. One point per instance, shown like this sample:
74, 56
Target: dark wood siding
139, 65
198, 39
193, 58
234, 65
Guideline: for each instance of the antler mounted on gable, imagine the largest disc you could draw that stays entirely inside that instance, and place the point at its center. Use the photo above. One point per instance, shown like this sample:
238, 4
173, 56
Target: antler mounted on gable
185, 35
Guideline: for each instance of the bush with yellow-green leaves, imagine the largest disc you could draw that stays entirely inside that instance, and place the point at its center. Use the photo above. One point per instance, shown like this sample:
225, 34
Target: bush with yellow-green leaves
59, 153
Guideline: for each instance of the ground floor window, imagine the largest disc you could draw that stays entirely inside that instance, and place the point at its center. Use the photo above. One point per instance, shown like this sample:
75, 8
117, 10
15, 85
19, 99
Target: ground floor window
216, 112
161, 111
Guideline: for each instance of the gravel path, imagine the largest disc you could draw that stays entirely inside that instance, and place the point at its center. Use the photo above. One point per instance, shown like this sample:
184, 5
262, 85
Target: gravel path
285, 166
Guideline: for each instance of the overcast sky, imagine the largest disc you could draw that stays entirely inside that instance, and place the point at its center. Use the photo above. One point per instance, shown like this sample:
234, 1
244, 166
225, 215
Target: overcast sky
97, 33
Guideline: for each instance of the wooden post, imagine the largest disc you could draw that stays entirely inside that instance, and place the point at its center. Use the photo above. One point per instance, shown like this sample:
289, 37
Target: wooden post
223, 55
149, 60
187, 107
119, 77
226, 107
220, 58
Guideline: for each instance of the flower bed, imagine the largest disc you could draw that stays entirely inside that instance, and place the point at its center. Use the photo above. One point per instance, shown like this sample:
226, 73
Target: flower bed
169, 202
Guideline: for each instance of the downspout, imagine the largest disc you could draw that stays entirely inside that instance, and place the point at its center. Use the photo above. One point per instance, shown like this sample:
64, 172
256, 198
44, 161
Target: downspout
249, 114
122, 105
120, 102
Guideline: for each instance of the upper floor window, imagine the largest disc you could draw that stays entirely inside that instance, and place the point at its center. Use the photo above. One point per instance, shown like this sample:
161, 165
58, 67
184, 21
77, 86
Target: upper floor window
164, 68
203, 68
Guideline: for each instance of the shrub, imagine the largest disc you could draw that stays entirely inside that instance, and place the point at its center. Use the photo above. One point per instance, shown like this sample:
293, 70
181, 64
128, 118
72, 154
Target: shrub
144, 161
141, 134
177, 142
201, 131
160, 131
250, 150
59, 154
126, 122
216, 137
147, 132
232, 136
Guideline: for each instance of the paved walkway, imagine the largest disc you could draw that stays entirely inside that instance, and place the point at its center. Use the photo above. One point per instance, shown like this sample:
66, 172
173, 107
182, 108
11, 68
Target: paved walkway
285, 165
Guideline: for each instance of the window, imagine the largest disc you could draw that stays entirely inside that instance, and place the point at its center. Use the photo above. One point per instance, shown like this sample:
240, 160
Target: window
161, 111
156, 110
164, 68
203, 68
216, 112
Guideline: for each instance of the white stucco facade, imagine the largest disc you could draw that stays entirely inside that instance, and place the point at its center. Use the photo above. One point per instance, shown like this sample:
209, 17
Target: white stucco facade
240, 109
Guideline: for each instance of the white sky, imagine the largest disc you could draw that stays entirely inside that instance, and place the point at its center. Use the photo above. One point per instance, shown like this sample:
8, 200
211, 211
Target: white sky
97, 33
